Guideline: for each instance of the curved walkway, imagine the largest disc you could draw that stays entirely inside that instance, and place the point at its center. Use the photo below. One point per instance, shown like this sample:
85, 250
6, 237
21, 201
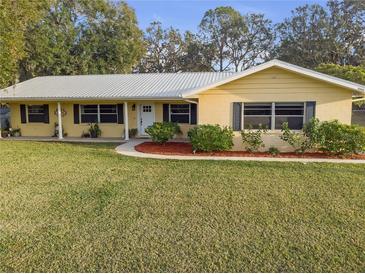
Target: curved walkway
127, 149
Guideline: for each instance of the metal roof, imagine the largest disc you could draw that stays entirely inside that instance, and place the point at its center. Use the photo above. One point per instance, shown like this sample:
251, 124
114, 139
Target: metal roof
123, 86
146, 85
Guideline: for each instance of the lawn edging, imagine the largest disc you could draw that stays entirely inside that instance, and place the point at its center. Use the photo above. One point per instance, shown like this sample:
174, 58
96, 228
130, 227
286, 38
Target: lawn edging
128, 149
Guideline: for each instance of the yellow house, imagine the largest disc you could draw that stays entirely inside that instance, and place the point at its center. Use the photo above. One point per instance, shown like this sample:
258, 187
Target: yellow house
268, 94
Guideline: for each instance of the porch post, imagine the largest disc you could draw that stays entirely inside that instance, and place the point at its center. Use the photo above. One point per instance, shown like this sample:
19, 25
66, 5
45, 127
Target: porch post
126, 126
59, 113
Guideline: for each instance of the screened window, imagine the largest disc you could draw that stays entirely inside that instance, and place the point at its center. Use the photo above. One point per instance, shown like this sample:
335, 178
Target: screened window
180, 113
98, 113
35, 113
273, 115
108, 114
292, 113
257, 115
89, 113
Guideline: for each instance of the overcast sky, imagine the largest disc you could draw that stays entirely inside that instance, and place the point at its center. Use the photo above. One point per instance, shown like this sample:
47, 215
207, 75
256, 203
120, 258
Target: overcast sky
186, 14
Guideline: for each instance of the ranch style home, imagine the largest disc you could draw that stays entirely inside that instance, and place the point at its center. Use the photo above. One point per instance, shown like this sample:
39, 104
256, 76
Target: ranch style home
268, 94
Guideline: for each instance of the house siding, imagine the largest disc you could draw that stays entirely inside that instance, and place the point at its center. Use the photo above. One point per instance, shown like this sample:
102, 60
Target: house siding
273, 85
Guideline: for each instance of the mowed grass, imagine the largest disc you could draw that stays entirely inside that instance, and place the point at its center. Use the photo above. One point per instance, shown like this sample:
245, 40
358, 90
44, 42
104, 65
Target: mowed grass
80, 207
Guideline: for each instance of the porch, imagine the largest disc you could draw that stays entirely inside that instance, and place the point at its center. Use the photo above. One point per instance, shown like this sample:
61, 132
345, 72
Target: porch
70, 120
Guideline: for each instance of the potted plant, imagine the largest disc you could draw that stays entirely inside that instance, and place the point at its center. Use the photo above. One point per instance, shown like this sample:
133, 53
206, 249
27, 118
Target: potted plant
94, 130
15, 132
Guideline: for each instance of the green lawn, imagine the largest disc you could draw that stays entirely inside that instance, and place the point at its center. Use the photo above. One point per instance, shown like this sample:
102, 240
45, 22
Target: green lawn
80, 207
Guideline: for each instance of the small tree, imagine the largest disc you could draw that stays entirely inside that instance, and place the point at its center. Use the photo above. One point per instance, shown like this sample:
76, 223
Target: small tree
303, 140
253, 138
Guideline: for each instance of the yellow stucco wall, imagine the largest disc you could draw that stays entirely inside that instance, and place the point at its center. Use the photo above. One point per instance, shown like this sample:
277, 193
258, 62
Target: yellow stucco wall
73, 130
111, 130
274, 85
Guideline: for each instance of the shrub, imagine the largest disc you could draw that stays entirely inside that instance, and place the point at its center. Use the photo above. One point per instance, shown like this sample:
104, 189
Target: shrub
162, 132
273, 151
337, 138
211, 138
94, 130
253, 138
303, 140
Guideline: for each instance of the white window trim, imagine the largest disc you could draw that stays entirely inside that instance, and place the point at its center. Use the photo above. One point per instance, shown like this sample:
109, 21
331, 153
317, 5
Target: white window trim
273, 115
98, 113
180, 113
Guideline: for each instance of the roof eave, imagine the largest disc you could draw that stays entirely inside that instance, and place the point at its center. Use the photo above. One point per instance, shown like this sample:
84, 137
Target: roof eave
68, 99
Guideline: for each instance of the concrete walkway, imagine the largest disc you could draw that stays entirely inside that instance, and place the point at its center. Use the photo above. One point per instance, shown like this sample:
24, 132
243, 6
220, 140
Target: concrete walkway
127, 149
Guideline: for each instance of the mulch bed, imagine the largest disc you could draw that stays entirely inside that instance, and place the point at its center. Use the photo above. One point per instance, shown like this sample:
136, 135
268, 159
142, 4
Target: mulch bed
180, 148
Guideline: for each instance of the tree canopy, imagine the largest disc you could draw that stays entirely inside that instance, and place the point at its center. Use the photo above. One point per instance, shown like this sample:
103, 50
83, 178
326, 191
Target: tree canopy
65, 37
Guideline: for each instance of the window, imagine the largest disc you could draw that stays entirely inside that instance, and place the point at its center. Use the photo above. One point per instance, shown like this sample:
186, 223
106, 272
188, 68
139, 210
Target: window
292, 113
180, 113
99, 113
35, 113
273, 115
89, 113
147, 108
108, 114
257, 114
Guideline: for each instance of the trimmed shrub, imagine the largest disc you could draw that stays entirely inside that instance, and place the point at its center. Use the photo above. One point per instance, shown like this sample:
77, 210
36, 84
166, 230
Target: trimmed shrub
337, 138
162, 132
252, 138
211, 138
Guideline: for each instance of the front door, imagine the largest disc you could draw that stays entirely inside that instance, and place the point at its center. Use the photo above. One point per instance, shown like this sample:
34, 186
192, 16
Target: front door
147, 117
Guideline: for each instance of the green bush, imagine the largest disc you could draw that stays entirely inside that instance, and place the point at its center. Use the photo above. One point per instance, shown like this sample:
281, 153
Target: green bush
304, 140
211, 138
273, 151
162, 132
252, 138
337, 138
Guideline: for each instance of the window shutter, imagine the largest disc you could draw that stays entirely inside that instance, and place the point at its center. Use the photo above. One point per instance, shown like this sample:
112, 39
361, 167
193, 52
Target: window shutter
165, 116
193, 114
120, 108
76, 114
237, 116
310, 111
46, 114
23, 114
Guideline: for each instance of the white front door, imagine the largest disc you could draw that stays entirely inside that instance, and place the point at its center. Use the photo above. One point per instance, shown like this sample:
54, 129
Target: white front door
147, 117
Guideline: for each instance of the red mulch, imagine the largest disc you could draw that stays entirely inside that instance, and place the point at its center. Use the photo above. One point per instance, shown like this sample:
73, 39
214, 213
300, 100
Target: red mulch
179, 148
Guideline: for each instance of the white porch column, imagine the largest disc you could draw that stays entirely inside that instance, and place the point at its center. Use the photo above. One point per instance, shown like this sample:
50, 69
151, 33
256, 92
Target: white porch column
126, 126
59, 114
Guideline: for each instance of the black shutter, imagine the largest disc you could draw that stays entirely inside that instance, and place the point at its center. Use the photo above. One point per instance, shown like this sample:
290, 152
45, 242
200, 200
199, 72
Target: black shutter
310, 111
76, 114
165, 116
193, 114
23, 114
46, 114
120, 113
237, 116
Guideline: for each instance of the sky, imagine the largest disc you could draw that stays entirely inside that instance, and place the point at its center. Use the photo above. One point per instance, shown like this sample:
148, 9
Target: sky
186, 14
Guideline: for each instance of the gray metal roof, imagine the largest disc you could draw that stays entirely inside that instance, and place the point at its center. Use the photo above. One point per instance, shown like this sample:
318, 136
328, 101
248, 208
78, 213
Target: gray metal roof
124, 86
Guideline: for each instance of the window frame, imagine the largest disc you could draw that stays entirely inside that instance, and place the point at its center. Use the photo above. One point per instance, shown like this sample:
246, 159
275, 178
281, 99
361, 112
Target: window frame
189, 113
40, 114
98, 113
273, 114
